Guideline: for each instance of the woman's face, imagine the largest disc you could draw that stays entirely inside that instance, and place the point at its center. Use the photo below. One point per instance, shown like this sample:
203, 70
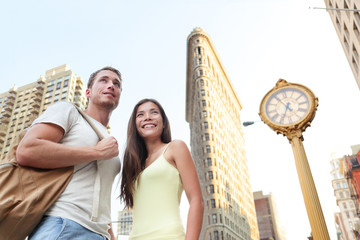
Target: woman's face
149, 122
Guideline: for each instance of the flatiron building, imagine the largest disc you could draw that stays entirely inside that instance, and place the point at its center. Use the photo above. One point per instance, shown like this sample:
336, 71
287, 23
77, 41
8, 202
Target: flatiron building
217, 144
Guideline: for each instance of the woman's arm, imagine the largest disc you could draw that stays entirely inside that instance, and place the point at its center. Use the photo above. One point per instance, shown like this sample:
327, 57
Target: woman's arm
111, 232
181, 156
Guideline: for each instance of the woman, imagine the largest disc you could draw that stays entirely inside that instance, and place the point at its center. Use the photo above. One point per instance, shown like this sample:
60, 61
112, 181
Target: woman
155, 172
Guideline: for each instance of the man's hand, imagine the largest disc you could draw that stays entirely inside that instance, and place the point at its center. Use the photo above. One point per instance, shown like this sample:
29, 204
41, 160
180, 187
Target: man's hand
107, 148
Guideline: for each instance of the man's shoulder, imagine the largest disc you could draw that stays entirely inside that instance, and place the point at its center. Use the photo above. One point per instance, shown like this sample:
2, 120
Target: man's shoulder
63, 108
62, 105
59, 113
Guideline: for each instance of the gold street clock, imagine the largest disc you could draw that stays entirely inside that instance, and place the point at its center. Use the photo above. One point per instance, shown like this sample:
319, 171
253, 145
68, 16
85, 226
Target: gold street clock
288, 106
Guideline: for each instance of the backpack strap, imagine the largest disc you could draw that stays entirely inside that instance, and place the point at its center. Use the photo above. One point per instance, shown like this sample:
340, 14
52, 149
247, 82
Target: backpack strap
96, 195
100, 135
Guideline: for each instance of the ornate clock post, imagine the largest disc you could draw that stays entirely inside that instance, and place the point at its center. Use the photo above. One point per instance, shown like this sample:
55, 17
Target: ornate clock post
288, 109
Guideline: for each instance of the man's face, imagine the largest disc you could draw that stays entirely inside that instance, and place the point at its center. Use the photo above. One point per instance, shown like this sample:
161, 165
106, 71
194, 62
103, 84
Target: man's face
105, 90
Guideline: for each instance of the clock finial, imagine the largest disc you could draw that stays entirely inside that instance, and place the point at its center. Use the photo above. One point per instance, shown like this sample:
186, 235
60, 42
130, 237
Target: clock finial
281, 82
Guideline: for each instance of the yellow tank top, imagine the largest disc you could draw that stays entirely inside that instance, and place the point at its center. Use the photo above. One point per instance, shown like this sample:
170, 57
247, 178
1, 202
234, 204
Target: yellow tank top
157, 195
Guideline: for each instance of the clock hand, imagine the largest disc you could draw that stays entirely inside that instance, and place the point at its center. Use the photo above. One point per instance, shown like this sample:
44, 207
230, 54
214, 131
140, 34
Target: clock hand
288, 107
280, 100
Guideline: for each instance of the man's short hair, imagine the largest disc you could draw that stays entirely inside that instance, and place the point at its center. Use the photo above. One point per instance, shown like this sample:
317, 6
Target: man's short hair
93, 75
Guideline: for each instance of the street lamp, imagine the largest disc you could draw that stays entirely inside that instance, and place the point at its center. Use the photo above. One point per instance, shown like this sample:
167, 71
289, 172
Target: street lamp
337, 9
248, 123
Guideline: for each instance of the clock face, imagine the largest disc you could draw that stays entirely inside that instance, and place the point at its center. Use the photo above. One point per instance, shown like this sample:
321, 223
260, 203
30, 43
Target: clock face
287, 106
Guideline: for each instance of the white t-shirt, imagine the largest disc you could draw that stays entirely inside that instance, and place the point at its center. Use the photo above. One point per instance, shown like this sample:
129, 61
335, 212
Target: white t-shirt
76, 202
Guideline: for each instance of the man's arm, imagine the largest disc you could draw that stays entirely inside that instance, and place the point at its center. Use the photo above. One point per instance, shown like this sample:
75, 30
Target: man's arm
40, 148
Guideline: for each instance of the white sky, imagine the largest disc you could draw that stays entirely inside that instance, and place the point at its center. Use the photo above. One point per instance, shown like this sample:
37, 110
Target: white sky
258, 43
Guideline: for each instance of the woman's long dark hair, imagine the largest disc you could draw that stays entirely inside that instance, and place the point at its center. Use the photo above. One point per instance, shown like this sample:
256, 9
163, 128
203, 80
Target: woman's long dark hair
135, 153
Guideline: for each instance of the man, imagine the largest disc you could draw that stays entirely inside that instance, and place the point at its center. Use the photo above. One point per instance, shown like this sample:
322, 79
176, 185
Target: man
61, 137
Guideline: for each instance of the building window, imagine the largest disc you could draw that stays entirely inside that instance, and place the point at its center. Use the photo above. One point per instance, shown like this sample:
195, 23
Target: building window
214, 220
213, 205
211, 189
334, 176
338, 22
344, 205
210, 174
202, 92
209, 163
200, 61
346, 30
355, 52
201, 72
206, 125
207, 137
341, 195
355, 65
201, 82
351, 225
208, 149
216, 233
199, 50
346, 7
204, 113
346, 44
356, 30
203, 102
50, 88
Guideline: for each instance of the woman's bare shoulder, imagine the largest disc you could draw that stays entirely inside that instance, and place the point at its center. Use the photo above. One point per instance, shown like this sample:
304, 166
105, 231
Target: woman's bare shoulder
177, 144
